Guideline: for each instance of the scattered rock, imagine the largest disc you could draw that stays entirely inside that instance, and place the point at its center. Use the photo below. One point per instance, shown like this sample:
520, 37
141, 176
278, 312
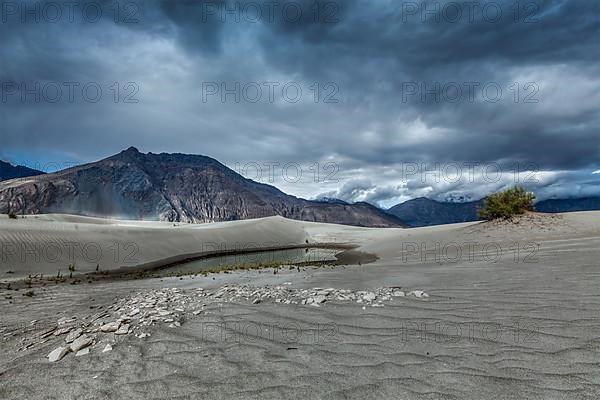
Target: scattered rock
83, 352
110, 327
369, 296
137, 312
58, 354
73, 335
419, 294
66, 320
62, 331
80, 343
123, 330
47, 333
319, 299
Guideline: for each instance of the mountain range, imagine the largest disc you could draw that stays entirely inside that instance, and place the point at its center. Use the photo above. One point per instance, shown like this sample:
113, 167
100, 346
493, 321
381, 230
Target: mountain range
568, 205
426, 212
197, 189
9, 171
172, 187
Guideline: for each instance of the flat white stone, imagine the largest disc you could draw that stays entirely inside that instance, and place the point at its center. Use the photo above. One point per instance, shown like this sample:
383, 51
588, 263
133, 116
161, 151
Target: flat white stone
110, 327
83, 352
57, 354
123, 330
80, 343
73, 335
107, 348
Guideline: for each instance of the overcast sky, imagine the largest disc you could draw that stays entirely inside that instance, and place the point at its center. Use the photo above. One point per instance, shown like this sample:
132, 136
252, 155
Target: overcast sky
379, 100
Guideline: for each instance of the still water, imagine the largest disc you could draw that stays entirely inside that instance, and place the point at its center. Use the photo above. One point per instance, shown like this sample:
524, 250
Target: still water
281, 257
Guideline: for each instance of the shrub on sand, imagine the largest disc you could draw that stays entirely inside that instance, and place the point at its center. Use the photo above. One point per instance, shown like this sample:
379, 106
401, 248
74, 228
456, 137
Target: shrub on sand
506, 204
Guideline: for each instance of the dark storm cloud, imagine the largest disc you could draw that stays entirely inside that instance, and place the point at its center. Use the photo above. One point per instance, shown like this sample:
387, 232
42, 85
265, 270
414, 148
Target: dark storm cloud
395, 66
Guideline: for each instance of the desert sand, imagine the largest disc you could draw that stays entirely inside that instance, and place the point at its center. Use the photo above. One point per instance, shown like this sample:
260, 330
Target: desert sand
513, 312
45, 244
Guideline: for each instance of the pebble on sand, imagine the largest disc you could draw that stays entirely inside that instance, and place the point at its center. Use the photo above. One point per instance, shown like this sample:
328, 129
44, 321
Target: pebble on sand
107, 348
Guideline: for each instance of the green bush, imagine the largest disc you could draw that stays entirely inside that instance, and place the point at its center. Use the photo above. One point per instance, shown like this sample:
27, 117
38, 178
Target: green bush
506, 204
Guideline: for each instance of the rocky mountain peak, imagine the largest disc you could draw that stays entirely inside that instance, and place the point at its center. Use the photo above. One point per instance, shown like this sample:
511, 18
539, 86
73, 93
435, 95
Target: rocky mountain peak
173, 187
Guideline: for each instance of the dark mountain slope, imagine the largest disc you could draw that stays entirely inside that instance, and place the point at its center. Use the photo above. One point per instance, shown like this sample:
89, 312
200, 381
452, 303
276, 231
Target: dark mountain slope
172, 187
8, 171
425, 212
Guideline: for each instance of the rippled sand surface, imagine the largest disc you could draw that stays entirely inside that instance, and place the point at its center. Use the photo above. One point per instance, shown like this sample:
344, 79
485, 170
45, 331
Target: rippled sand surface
508, 327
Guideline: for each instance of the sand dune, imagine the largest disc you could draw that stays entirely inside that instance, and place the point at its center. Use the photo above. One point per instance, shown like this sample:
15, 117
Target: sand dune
46, 243
522, 325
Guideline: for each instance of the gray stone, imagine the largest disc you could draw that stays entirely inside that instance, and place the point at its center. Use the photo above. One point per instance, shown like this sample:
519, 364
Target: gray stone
80, 343
110, 327
123, 330
73, 335
369, 296
57, 354
319, 299
62, 331
83, 352
418, 294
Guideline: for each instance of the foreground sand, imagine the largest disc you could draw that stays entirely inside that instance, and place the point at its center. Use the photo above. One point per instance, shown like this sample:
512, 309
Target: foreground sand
515, 316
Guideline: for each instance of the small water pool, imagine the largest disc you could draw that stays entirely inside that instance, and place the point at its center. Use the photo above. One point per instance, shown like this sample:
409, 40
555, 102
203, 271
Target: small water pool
263, 258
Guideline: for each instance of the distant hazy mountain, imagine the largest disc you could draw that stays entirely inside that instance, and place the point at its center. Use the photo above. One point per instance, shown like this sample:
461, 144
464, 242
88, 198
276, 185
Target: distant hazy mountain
172, 187
331, 200
425, 212
8, 171
566, 205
